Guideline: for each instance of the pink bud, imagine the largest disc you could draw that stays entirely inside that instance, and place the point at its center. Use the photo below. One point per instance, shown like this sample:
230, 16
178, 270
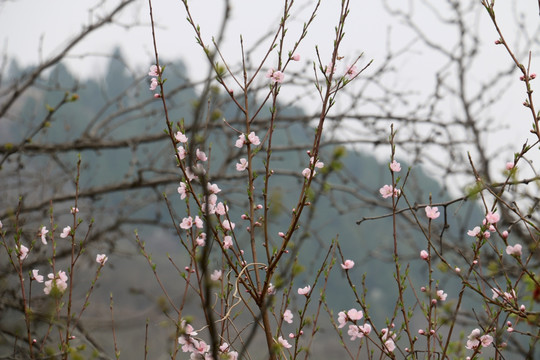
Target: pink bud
509, 323
510, 329
509, 165
281, 234
432, 331
424, 254
505, 234
291, 335
533, 76
475, 262
498, 42
157, 96
296, 57
458, 270
433, 301
423, 289
421, 332
522, 308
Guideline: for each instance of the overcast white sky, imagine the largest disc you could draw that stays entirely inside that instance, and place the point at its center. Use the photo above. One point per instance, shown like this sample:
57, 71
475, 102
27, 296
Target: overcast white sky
25, 24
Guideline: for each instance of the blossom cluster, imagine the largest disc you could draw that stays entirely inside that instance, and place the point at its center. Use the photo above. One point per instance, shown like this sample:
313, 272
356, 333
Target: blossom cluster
199, 348
155, 72
56, 283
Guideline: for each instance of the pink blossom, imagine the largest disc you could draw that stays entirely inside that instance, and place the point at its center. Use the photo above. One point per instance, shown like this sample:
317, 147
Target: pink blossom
101, 259
318, 164
342, 319
288, 316
395, 166
424, 255
492, 218
354, 332
354, 314
366, 329
390, 345
190, 174
271, 289
347, 265
201, 156
227, 225
36, 276
254, 139
182, 190
388, 190
240, 141
474, 232
284, 343
213, 188
330, 69
227, 242
474, 340
201, 239
510, 295
216, 275
306, 173
275, 76
22, 251
186, 223
388, 338
495, 293
65, 232
432, 212
242, 165
153, 84
181, 152
154, 70
180, 137
42, 234
304, 290
198, 222
514, 250
201, 347
441, 295
487, 234
352, 71
59, 282
221, 209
